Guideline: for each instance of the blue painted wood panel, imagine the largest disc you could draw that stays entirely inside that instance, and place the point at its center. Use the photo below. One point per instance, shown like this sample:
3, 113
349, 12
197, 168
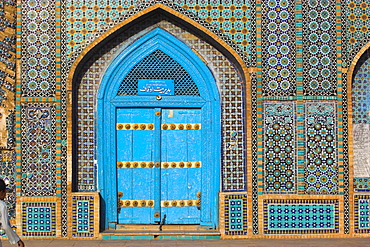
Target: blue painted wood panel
181, 183
159, 183
137, 184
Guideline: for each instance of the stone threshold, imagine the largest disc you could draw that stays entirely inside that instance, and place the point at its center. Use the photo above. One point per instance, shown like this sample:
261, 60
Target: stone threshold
153, 232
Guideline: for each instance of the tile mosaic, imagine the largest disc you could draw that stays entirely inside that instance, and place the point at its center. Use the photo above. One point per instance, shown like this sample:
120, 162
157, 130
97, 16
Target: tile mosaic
279, 147
38, 55
38, 219
320, 50
301, 216
236, 215
362, 214
278, 36
83, 215
39, 149
321, 148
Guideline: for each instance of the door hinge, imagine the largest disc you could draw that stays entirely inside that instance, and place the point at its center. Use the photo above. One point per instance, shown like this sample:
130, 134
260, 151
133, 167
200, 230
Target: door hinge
158, 113
157, 215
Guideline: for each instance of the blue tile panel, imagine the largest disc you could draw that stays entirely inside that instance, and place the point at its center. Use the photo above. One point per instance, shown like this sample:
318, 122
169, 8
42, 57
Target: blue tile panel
301, 216
278, 57
39, 49
358, 24
321, 148
361, 184
362, 214
234, 18
83, 220
361, 94
38, 149
38, 219
279, 147
360, 127
319, 47
236, 215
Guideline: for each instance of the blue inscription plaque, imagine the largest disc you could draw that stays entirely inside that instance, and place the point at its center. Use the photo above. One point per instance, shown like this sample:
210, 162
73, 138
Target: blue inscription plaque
156, 87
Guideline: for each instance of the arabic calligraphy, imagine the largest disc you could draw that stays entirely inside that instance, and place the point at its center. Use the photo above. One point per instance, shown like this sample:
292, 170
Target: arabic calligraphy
160, 90
155, 87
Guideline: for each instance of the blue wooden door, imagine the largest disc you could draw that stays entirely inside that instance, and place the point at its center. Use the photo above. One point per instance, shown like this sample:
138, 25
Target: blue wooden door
181, 166
137, 172
159, 165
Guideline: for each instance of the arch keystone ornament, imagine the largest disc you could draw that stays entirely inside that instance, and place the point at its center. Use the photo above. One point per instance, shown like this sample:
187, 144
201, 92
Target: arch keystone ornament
130, 120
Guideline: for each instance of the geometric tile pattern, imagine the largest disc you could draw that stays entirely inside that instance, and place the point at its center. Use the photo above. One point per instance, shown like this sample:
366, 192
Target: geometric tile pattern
362, 214
346, 164
319, 47
361, 126
278, 36
301, 216
361, 184
83, 221
361, 94
279, 147
231, 17
236, 216
233, 169
39, 50
254, 156
7, 73
38, 219
38, 149
358, 24
321, 148
7, 173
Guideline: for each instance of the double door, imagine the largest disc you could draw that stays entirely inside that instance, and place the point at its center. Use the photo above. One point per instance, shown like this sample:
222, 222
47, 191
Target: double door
159, 165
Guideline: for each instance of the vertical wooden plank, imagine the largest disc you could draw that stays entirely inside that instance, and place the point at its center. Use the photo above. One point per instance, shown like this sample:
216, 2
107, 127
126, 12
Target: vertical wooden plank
181, 183
136, 146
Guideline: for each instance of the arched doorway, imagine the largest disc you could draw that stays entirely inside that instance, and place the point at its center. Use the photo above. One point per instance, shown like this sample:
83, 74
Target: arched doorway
361, 122
159, 135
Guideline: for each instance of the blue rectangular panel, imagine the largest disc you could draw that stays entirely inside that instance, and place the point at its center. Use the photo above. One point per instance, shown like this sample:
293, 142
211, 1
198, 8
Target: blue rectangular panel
301, 216
181, 143
156, 87
136, 145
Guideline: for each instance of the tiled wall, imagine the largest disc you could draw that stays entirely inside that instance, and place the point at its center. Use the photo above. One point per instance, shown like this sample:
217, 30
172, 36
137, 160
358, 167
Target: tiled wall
286, 143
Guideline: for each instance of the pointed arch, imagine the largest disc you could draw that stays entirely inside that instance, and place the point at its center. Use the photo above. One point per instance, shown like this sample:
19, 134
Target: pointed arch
360, 58
157, 39
209, 36
108, 102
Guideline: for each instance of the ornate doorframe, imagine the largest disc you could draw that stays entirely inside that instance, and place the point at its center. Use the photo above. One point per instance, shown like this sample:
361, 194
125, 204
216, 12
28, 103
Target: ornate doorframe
108, 101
